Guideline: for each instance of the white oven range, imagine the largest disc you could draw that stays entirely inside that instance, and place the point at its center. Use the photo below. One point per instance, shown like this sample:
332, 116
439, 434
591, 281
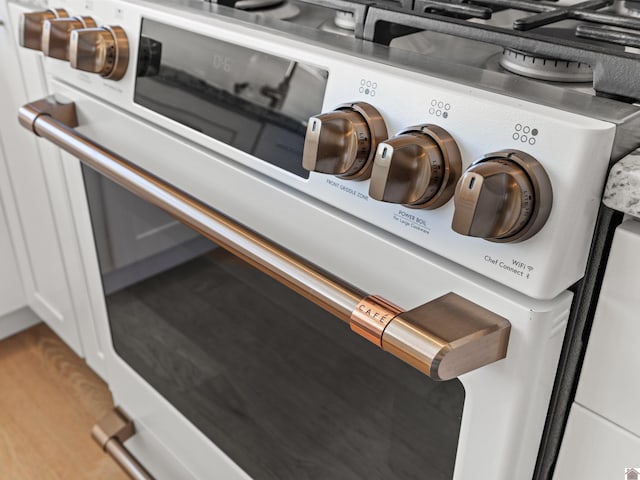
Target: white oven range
204, 112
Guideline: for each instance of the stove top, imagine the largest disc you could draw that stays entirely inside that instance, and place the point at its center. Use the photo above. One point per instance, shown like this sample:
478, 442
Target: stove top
592, 46
594, 41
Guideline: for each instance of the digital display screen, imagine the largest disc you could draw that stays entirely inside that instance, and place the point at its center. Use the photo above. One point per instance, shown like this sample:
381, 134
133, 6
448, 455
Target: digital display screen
256, 102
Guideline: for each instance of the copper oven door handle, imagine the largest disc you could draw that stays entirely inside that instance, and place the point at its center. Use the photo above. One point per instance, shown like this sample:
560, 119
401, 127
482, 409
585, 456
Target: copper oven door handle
443, 338
110, 433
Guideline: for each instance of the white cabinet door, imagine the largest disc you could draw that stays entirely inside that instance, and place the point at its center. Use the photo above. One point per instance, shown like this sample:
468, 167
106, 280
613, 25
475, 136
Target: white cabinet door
15, 315
609, 382
602, 438
11, 292
45, 277
595, 449
63, 285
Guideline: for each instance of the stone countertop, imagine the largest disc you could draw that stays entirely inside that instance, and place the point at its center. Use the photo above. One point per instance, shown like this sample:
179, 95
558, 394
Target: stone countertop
623, 185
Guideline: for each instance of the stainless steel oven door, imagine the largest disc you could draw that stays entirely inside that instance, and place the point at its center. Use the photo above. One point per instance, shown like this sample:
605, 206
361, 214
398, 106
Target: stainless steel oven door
229, 374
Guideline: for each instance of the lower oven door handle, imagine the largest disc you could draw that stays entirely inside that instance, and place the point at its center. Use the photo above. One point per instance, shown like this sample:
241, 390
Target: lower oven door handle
110, 433
443, 338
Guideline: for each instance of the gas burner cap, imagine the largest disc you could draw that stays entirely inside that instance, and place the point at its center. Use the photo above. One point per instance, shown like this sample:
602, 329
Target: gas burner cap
331, 27
257, 4
279, 11
541, 68
343, 23
345, 20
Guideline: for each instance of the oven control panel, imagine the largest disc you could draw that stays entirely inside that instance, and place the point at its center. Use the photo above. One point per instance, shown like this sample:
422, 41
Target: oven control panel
502, 197
504, 186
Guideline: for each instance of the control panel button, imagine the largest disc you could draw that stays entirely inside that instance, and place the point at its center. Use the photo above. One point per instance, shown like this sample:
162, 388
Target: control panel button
31, 24
419, 167
343, 142
57, 32
503, 197
103, 50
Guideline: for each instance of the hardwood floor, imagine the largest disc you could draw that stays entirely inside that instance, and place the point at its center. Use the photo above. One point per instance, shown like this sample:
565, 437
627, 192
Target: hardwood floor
49, 400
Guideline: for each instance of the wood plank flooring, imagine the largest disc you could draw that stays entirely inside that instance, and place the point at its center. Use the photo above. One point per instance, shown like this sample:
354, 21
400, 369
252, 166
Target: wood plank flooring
49, 400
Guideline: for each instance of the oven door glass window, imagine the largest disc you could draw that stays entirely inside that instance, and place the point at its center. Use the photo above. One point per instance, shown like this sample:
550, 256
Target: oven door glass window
283, 388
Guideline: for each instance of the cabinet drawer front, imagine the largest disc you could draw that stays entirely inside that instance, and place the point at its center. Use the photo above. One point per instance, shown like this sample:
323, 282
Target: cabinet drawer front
594, 448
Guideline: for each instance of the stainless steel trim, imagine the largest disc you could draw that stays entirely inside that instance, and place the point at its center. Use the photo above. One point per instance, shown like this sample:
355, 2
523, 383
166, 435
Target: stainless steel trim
110, 433
412, 334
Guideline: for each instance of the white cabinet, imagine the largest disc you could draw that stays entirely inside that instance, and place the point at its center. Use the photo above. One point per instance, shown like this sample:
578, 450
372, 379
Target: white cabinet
50, 261
11, 292
595, 449
52, 266
12, 295
603, 433
14, 313
609, 381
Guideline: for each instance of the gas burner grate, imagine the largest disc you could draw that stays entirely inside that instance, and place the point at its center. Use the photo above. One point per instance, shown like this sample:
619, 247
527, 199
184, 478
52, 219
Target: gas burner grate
609, 34
547, 13
457, 10
596, 33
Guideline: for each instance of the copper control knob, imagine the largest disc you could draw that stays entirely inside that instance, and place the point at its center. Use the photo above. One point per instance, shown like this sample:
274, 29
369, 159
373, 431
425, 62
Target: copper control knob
503, 197
56, 34
103, 50
343, 142
31, 24
419, 167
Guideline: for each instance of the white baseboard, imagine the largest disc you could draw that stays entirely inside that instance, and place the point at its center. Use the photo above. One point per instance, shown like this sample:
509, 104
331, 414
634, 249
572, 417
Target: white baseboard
16, 321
